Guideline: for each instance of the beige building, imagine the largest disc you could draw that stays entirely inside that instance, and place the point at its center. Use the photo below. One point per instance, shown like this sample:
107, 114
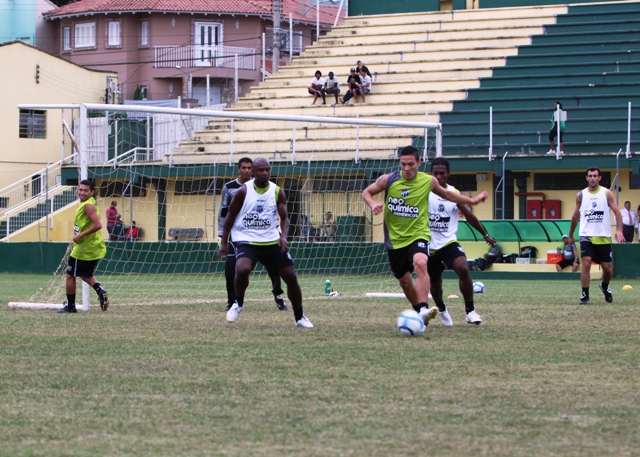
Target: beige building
33, 138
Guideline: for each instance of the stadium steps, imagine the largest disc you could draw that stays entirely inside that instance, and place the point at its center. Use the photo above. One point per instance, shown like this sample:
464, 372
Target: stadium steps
455, 65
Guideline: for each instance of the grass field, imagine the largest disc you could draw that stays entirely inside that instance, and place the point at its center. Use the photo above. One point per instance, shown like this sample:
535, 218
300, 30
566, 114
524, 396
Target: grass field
541, 376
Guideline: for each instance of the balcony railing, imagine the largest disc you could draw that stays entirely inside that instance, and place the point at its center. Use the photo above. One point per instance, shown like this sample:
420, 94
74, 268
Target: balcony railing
205, 56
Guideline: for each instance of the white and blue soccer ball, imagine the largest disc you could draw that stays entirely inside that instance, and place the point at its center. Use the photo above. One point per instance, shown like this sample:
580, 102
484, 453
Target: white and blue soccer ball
410, 323
478, 288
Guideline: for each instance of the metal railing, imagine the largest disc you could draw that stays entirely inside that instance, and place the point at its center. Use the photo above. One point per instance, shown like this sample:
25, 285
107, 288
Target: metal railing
204, 56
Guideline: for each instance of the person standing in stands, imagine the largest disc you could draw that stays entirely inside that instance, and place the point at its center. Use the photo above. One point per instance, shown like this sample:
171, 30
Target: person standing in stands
360, 66
553, 133
88, 248
228, 192
112, 217
594, 205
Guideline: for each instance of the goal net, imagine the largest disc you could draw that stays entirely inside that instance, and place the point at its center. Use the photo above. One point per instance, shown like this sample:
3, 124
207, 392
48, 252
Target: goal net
165, 168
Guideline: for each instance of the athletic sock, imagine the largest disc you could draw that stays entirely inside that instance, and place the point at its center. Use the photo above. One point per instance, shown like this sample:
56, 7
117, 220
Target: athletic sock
585, 291
71, 299
98, 288
419, 306
441, 305
605, 285
469, 306
240, 301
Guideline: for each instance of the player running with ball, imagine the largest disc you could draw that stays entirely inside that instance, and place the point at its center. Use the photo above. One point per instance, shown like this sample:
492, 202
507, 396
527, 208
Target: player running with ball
444, 249
406, 224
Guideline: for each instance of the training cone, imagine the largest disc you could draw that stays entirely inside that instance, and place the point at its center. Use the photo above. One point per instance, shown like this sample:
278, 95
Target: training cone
627, 287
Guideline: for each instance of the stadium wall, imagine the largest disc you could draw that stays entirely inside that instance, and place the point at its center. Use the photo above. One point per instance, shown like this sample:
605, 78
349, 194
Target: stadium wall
310, 258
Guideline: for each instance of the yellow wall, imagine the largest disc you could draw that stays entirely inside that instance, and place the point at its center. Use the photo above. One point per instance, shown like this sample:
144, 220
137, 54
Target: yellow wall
60, 82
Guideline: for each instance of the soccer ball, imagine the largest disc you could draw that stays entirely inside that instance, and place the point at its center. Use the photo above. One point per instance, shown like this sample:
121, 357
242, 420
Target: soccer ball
410, 323
478, 288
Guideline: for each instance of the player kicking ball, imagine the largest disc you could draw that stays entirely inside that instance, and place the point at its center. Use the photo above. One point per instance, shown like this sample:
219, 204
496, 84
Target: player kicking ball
406, 223
252, 225
444, 249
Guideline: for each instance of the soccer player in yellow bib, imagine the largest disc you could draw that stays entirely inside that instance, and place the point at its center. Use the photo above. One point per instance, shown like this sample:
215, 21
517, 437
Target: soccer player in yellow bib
406, 224
88, 248
593, 210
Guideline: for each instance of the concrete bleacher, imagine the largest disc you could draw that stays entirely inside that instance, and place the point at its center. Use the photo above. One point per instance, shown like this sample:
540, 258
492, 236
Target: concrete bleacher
454, 66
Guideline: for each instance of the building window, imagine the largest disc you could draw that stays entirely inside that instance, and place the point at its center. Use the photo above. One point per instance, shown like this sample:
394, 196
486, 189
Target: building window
33, 124
85, 35
66, 39
144, 34
113, 34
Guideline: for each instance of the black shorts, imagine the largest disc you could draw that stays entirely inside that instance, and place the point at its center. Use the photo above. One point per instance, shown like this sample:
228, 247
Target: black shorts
270, 256
401, 260
443, 258
599, 253
81, 268
564, 263
553, 133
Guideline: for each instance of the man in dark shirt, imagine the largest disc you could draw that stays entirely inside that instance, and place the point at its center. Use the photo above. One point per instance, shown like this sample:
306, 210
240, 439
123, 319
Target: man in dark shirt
353, 82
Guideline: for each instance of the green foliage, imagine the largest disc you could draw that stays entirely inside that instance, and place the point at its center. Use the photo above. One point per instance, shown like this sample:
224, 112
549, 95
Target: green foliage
137, 94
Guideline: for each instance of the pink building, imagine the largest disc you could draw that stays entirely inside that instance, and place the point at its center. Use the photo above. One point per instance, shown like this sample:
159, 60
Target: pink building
171, 48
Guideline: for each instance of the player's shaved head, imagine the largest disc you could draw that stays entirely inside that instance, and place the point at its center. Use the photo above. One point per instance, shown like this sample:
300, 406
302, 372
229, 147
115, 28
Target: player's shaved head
261, 162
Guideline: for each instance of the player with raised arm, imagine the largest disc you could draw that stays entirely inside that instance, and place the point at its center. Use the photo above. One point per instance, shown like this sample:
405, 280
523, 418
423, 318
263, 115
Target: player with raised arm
593, 210
444, 249
228, 191
406, 224
88, 248
252, 228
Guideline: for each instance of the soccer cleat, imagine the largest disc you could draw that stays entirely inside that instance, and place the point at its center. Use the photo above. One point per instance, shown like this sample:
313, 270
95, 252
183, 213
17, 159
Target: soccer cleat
584, 300
608, 296
68, 309
551, 152
104, 299
428, 313
445, 318
304, 322
234, 312
282, 306
474, 318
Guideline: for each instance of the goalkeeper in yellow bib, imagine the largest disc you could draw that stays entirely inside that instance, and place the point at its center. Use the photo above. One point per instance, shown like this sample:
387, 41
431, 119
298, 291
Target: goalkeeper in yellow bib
406, 224
88, 248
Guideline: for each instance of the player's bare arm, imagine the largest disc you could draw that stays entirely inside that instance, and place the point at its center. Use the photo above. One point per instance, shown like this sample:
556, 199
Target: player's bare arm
475, 223
575, 218
284, 221
234, 210
616, 211
456, 197
374, 189
91, 213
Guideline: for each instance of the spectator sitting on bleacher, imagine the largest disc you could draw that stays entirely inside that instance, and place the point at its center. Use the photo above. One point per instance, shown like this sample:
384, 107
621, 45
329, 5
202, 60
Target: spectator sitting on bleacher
353, 82
315, 89
365, 86
484, 262
331, 86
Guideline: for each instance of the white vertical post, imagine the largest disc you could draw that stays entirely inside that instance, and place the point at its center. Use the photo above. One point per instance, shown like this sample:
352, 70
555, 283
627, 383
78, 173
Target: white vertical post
439, 141
317, 20
490, 133
425, 152
628, 154
208, 90
84, 174
293, 145
357, 140
335, 22
290, 36
115, 143
62, 139
235, 77
46, 200
559, 132
231, 144
264, 56
148, 137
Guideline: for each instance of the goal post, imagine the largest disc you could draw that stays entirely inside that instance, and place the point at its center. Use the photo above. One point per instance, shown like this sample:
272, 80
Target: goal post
165, 169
